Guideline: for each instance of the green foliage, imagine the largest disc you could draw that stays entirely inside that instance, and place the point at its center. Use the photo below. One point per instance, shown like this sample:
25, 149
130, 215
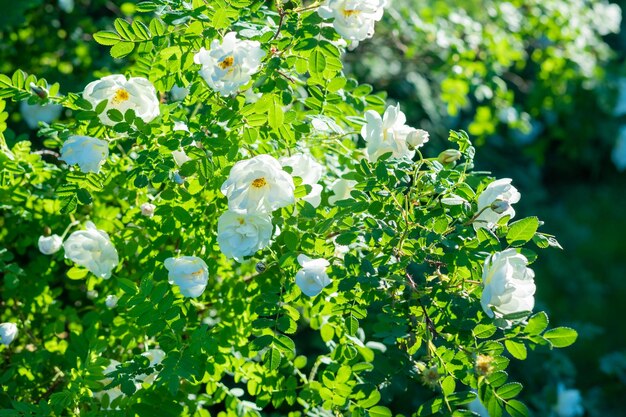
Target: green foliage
399, 331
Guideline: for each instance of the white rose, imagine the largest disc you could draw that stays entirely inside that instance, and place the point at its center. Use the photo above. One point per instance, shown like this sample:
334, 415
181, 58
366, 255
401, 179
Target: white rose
89, 153
179, 93
180, 157
417, 138
312, 278
508, 284
354, 20
147, 209
136, 93
180, 126
388, 134
241, 235
8, 332
35, 113
155, 356
190, 273
341, 189
49, 244
231, 64
311, 171
113, 392
92, 249
496, 192
569, 402
111, 301
258, 184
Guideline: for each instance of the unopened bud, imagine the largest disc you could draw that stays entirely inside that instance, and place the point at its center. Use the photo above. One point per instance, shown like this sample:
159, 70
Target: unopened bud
111, 301
40, 91
500, 206
260, 267
449, 155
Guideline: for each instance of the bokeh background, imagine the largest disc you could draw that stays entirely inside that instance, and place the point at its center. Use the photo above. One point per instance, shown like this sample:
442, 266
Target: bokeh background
540, 85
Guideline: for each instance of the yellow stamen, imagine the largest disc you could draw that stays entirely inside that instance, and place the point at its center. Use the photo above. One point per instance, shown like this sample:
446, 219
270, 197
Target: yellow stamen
259, 182
227, 62
120, 96
350, 12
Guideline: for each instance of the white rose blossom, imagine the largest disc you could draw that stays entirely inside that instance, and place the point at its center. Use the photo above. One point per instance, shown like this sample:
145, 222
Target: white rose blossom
311, 171
178, 93
147, 209
189, 273
508, 284
8, 333
111, 301
493, 197
136, 93
155, 356
312, 278
87, 152
180, 157
258, 184
49, 244
240, 235
354, 20
341, 189
390, 134
35, 113
569, 402
231, 64
92, 248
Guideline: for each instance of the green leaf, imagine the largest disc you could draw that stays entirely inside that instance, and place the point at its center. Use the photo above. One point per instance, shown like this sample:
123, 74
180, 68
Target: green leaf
107, 38
561, 336
516, 349
522, 231
272, 358
275, 114
352, 325
76, 273
379, 411
122, 49
517, 409
509, 390
123, 29
537, 323
484, 331
317, 61
141, 30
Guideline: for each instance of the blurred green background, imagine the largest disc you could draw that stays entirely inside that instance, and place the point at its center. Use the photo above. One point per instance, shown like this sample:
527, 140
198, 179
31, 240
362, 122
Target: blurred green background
541, 87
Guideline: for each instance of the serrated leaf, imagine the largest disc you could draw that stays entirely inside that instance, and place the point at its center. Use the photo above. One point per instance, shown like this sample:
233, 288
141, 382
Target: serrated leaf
522, 231
123, 29
352, 325
517, 409
69, 204
516, 349
509, 390
122, 49
379, 411
561, 337
272, 358
107, 38
537, 323
484, 331
317, 61
76, 273
141, 30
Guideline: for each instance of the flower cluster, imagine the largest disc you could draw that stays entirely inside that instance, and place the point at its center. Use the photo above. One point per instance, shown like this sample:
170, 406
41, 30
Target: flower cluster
354, 20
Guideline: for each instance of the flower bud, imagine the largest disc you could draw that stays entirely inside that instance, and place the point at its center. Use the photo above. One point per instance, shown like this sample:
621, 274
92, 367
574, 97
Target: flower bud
8, 332
260, 267
40, 91
49, 244
449, 155
111, 301
147, 209
500, 206
92, 294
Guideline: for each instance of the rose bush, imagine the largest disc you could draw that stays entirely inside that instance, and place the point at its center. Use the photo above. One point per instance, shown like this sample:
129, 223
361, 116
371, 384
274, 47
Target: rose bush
344, 259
